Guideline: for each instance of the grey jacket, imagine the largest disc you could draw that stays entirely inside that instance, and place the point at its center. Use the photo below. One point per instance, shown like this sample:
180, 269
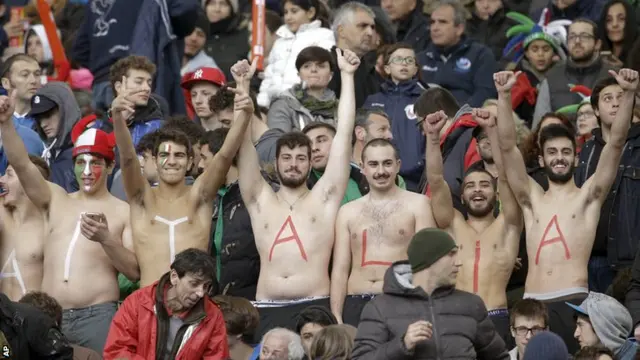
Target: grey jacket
461, 328
287, 113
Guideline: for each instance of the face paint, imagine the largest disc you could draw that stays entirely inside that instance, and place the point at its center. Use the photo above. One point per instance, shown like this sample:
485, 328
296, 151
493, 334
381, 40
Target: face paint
167, 149
85, 166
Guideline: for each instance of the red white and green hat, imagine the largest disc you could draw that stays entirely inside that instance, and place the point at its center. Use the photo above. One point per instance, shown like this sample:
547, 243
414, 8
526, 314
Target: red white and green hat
527, 31
585, 94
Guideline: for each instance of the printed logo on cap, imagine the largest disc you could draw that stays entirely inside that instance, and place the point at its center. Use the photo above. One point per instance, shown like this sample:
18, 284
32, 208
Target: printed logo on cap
36, 100
198, 74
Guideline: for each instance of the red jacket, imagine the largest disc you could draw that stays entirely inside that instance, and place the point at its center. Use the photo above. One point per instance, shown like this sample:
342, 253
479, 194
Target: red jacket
133, 332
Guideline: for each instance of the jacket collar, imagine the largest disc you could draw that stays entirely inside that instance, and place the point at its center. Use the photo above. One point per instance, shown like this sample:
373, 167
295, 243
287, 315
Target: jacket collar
196, 313
409, 87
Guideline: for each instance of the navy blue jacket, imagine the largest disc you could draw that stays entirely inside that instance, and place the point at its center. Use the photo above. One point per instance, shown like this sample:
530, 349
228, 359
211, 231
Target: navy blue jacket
618, 228
397, 101
589, 9
465, 69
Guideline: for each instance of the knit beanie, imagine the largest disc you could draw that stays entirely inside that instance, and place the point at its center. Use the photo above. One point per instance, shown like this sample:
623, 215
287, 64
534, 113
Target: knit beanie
428, 246
233, 3
202, 22
546, 345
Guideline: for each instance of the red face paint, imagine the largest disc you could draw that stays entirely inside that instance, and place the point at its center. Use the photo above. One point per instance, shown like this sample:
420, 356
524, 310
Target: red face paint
293, 236
90, 168
364, 262
558, 238
476, 268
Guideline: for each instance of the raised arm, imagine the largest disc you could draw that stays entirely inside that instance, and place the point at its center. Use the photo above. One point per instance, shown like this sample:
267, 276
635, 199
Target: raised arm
519, 180
599, 184
509, 206
341, 264
34, 184
135, 185
334, 180
206, 186
441, 201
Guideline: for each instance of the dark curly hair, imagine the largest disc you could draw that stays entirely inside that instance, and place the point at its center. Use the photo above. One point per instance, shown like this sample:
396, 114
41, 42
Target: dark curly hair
132, 62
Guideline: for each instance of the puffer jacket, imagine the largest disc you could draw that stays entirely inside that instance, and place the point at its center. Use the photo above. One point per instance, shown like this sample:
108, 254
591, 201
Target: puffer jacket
461, 326
281, 73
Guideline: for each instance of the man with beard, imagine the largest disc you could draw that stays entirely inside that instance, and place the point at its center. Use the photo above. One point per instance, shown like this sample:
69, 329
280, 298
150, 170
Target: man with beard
584, 67
488, 246
177, 215
561, 222
373, 232
293, 227
87, 237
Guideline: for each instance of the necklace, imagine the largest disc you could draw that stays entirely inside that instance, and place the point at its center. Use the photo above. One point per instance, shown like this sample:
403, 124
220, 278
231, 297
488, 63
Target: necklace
292, 204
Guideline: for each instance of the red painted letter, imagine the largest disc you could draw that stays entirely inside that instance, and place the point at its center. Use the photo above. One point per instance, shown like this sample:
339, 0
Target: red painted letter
476, 265
364, 261
293, 236
558, 238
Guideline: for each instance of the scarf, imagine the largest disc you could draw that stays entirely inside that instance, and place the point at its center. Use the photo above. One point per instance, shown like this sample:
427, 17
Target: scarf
325, 107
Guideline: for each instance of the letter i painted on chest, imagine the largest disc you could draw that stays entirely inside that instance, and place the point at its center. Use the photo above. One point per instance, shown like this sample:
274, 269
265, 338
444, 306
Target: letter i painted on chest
366, 262
476, 267
558, 238
294, 236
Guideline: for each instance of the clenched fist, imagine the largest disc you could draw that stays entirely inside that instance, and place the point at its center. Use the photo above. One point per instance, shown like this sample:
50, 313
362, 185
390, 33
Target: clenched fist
504, 80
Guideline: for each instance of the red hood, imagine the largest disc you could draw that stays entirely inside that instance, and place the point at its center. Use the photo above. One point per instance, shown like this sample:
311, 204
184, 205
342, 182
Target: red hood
465, 120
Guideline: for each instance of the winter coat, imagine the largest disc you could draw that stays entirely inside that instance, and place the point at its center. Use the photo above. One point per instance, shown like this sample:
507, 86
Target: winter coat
229, 44
143, 316
414, 30
397, 101
366, 79
491, 32
281, 73
462, 328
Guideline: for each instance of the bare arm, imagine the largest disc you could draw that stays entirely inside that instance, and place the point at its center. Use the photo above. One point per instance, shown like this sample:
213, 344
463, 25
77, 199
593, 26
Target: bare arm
341, 264
135, 185
335, 178
34, 184
424, 214
600, 183
516, 171
441, 201
206, 186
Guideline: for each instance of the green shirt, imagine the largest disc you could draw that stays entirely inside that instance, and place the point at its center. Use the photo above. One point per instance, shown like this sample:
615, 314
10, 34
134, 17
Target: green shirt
217, 235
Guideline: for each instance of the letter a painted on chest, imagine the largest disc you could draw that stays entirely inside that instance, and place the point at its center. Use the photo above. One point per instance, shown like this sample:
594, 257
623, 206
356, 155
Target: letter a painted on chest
294, 236
558, 238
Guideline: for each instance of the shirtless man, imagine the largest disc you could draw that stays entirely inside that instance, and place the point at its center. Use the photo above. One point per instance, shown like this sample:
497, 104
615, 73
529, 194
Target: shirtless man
21, 236
373, 231
172, 216
87, 237
488, 246
294, 227
561, 222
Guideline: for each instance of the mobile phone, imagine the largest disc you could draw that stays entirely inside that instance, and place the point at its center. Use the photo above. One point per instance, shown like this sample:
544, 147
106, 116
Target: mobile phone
95, 216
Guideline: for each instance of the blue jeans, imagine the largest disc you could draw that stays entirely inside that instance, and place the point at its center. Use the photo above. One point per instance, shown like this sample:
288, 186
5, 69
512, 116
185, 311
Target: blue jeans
601, 274
89, 326
102, 96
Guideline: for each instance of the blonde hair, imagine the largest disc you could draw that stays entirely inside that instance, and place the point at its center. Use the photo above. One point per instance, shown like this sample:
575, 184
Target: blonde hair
334, 342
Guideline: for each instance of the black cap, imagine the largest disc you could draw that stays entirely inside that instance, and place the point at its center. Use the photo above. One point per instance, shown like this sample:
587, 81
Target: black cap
479, 133
40, 105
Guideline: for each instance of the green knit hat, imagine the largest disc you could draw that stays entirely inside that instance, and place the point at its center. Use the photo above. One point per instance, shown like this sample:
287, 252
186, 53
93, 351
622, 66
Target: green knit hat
428, 246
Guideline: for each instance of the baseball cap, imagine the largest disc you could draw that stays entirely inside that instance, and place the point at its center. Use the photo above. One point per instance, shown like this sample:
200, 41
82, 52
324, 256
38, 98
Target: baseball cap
209, 74
41, 104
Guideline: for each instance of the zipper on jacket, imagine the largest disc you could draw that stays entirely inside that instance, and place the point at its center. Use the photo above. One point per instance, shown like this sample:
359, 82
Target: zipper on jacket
433, 326
177, 341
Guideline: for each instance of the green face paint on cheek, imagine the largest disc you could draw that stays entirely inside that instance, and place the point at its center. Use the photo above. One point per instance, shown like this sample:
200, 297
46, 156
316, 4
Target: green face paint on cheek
88, 166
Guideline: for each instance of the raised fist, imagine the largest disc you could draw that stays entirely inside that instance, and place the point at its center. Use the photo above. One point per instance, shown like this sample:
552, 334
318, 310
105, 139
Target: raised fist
504, 80
484, 118
348, 61
7, 105
242, 72
433, 123
626, 78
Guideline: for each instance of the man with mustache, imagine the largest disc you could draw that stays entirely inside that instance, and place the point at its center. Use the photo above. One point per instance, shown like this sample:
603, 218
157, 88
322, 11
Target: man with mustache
561, 222
373, 232
488, 245
294, 226
87, 236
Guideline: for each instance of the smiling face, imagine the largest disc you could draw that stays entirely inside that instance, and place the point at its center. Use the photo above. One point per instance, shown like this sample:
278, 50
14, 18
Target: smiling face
609, 104
172, 162
558, 160
293, 166
137, 80
479, 194
380, 166
91, 172
12, 191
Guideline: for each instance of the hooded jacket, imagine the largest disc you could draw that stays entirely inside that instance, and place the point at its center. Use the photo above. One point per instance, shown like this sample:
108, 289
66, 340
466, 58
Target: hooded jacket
58, 151
397, 101
61, 68
618, 231
462, 330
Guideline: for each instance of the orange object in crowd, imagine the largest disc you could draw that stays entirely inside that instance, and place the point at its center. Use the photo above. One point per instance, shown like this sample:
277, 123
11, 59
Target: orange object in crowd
60, 61
258, 29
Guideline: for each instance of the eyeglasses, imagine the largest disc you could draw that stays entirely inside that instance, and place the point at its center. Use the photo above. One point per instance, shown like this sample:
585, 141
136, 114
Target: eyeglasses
523, 330
581, 37
397, 60
586, 114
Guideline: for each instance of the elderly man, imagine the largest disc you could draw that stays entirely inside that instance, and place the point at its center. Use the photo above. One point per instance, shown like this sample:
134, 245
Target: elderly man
281, 344
422, 314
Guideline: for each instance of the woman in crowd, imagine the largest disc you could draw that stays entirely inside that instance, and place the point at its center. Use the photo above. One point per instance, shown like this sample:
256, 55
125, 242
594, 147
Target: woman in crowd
531, 147
335, 342
309, 100
241, 320
618, 29
228, 39
489, 24
305, 24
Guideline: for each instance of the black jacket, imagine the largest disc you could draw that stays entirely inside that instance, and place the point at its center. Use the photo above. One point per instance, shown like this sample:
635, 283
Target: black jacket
619, 228
30, 334
461, 327
228, 42
366, 80
414, 30
491, 32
